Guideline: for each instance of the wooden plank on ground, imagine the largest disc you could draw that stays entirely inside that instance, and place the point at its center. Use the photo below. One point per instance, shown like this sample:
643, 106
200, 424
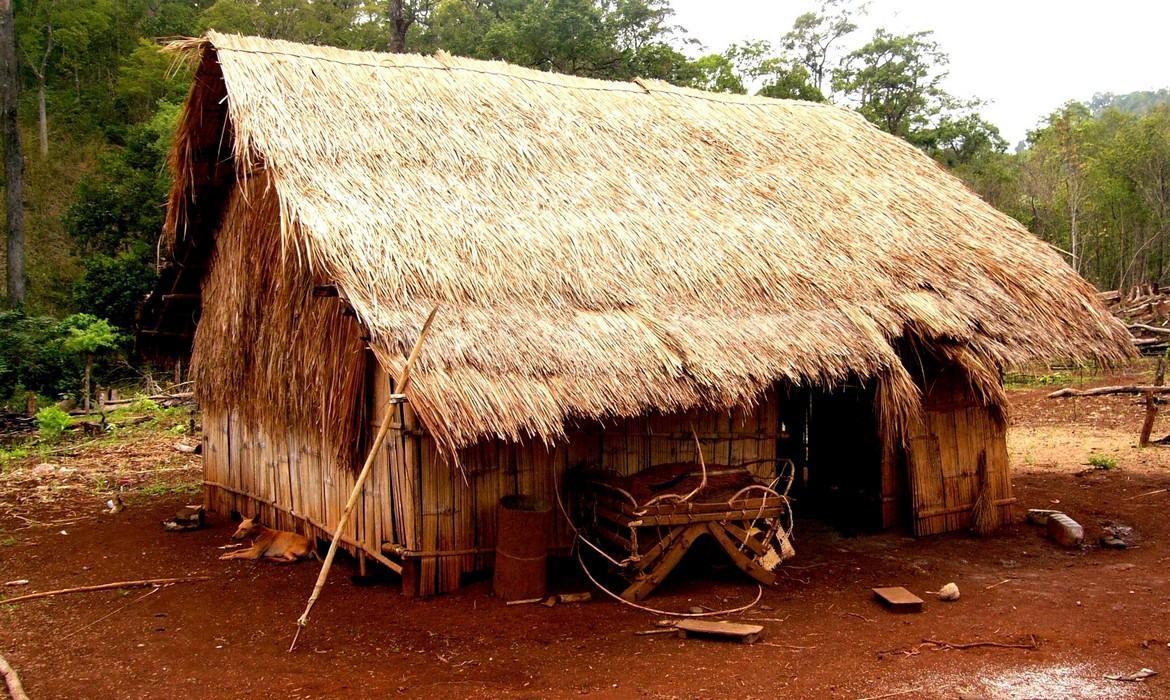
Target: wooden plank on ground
733, 631
898, 599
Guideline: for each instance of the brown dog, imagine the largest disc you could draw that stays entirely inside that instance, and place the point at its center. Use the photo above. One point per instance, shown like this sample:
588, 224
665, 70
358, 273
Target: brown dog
273, 544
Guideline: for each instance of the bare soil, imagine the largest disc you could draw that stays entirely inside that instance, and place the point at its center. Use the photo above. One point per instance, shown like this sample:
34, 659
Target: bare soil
1090, 611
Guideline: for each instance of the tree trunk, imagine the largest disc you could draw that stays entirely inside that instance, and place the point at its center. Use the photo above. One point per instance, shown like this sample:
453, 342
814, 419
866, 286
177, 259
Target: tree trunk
399, 25
42, 119
85, 388
13, 158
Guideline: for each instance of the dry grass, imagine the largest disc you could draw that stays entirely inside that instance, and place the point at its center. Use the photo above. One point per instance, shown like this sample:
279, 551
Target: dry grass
600, 249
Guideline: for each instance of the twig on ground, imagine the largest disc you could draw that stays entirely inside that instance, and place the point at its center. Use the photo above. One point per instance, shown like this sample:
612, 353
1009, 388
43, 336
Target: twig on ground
1032, 644
784, 646
107, 586
988, 588
112, 613
1147, 493
907, 691
858, 615
15, 689
767, 619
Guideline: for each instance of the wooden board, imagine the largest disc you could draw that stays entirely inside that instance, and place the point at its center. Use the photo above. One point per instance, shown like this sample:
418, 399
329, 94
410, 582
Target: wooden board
734, 631
898, 599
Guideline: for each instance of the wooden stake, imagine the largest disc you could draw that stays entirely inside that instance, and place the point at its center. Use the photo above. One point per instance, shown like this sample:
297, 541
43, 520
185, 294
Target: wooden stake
399, 388
1151, 405
1148, 423
107, 586
15, 689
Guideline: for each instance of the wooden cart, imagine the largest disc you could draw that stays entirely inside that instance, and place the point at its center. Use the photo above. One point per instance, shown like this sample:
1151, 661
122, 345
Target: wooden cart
644, 524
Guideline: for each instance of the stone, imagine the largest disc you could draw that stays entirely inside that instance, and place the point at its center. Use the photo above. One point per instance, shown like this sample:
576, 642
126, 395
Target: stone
949, 593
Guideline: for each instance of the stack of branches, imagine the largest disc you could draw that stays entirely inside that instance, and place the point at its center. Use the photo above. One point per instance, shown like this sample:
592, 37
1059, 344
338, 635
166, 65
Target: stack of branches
1145, 310
15, 425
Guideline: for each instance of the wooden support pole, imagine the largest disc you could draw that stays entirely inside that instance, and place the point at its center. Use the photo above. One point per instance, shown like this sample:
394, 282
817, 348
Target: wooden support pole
399, 387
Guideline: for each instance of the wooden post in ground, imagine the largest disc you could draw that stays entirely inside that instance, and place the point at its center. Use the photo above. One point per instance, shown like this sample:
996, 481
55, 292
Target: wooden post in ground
1151, 405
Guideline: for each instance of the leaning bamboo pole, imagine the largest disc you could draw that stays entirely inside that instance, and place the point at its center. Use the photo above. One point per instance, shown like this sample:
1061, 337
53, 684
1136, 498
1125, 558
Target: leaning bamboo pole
399, 388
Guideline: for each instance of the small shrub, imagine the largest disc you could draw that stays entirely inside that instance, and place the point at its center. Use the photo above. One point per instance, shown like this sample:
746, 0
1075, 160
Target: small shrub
51, 422
143, 404
1102, 462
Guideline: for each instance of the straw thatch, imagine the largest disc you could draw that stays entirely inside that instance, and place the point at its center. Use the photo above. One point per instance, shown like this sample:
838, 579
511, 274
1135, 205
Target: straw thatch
603, 249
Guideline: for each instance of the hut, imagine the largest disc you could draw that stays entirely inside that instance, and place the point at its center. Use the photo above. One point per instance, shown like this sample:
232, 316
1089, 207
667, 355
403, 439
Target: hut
615, 263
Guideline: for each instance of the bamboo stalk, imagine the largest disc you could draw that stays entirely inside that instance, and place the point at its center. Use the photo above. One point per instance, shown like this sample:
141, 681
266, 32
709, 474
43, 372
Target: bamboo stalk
399, 387
106, 587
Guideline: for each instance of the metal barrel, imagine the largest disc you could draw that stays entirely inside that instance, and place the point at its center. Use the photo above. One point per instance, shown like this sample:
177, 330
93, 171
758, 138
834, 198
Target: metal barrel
522, 537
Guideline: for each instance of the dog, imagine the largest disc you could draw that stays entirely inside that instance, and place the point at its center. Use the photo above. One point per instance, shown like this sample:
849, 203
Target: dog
277, 545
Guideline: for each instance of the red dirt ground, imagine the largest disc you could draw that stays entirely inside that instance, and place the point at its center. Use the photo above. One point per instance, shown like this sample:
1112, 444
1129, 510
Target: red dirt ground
1092, 611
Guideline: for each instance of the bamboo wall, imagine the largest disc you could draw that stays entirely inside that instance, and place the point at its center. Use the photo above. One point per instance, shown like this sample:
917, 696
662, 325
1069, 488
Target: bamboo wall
421, 515
291, 484
945, 448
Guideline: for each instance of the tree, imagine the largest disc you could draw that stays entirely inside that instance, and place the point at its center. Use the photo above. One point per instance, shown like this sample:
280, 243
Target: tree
404, 14
145, 80
64, 31
614, 39
716, 73
751, 64
895, 81
811, 40
88, 335
13, 157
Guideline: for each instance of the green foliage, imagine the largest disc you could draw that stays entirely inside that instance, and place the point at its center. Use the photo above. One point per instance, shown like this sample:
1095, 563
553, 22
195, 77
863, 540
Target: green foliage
111, 287
1140, 102
148, 78
32, 357
51, 422
1098, 187
617, 40
122, 202
716, 73
895, 81
814, 36
351, 24
1103, 462
143, 404
86, 334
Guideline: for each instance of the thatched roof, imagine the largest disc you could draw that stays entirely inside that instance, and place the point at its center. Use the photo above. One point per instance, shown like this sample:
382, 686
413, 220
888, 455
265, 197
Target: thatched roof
604, 249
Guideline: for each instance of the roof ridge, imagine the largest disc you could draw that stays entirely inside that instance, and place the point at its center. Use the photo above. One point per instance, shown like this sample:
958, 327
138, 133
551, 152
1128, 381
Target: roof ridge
450, 62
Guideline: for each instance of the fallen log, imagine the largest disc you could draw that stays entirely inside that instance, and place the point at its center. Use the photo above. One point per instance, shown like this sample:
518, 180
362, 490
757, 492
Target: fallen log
1148, 329
1109, 390
177, 397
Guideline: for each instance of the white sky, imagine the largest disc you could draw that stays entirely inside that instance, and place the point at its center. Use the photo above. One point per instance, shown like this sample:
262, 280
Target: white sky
1026, 57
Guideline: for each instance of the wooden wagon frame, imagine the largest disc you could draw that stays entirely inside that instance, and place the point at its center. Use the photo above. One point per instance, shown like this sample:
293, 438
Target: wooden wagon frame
753, 524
